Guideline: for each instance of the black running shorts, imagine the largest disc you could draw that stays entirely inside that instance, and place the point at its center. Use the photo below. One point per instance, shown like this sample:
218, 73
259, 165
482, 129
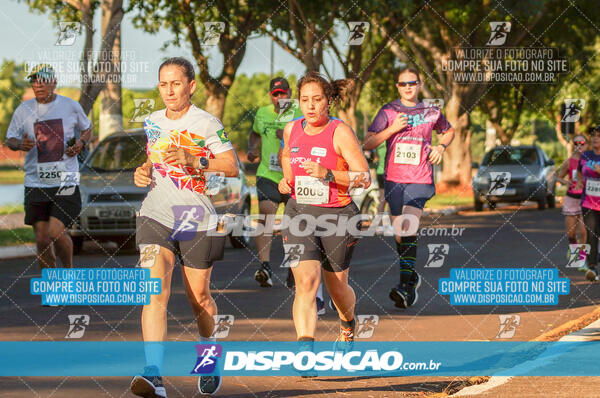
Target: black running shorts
62, 203
269, 190
196, 251
333, 250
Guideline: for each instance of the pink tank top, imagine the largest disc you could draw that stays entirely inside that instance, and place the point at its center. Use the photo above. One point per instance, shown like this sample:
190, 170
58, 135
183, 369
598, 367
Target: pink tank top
317, 148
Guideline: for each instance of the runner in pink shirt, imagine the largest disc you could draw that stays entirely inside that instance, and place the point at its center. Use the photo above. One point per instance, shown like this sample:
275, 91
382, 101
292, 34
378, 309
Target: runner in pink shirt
567, 175
406, 126
588, 179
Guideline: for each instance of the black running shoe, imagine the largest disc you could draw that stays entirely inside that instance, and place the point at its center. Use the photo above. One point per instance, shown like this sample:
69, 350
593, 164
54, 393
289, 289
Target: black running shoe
413, 286
320, 307
209, 385
263, 276
399, 295
149, 384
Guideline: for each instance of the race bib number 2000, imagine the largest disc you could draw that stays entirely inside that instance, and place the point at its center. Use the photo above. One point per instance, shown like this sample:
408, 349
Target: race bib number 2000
311, 191
407, 153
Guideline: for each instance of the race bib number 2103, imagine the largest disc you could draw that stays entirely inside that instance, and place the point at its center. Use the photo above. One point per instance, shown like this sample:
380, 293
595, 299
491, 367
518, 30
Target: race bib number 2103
407, 153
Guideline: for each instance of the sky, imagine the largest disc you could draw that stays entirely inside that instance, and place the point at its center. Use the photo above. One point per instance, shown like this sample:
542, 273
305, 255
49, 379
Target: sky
31, 38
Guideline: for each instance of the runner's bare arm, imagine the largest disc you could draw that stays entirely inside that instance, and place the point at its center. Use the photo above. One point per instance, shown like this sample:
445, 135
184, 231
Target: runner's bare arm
254, 142
346, 144
86, 135
223, 162
374, 139
579, 183
16, 144
143, 174
562, 173
286, 181
435, 156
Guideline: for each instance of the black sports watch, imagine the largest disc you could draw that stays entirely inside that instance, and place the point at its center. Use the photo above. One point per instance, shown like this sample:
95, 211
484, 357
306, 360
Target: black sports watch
329, 177
203, 162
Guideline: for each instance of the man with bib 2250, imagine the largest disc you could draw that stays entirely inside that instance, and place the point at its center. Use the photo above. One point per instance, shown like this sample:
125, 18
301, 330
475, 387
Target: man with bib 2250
46, 127
406, 125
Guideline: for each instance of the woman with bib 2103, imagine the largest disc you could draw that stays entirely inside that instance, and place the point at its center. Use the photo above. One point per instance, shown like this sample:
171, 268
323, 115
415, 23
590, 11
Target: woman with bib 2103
406, 126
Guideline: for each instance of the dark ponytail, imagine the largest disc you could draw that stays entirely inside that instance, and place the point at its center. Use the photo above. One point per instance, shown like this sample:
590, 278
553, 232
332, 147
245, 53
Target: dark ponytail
335, 92
188, 68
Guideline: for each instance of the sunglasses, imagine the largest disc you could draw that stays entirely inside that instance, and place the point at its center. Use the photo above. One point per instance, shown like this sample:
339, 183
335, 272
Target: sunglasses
278, 93
410, 83
580, 143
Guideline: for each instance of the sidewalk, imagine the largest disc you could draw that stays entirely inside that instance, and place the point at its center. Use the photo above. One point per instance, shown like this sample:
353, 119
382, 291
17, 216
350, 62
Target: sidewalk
528, 386
10, 221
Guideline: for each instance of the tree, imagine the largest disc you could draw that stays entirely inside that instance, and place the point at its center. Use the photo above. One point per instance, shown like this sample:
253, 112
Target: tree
111, 110
427, 39
185, 20
505, 103
12, 87
93, 76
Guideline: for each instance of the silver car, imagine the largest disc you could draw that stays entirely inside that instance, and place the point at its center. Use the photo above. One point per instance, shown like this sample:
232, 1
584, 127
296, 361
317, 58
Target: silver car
110, 199
515, 174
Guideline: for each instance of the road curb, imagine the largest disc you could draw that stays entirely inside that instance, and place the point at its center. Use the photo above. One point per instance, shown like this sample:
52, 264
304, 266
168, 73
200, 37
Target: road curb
20, 251
568, 331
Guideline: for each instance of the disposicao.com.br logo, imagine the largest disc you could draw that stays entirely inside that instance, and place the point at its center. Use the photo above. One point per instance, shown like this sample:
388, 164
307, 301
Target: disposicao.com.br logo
292, 359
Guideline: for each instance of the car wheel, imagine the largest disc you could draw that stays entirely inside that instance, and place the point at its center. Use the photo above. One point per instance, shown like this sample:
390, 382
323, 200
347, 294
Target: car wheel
541, 203
77, 244
551, 200
478, 204
240, 242
369, 207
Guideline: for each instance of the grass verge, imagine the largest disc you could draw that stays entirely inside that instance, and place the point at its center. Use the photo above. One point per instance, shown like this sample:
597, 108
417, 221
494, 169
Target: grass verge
16, 236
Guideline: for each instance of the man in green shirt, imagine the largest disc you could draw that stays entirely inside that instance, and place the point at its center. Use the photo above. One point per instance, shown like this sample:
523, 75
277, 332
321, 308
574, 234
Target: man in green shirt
264, 143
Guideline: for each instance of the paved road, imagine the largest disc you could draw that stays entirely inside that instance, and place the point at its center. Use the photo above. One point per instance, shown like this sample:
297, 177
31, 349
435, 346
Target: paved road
504, 238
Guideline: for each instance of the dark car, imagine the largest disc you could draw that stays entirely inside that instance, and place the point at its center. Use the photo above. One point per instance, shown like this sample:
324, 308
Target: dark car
515, 174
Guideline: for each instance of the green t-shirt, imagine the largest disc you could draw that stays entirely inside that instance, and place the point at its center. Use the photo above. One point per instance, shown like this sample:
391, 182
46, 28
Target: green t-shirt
381, 151
266, 123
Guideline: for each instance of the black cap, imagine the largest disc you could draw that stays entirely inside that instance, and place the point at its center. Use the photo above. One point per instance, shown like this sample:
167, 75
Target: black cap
278, 84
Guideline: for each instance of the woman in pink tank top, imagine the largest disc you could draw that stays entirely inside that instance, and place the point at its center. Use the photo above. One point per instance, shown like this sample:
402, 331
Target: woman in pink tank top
321, 161
576, 232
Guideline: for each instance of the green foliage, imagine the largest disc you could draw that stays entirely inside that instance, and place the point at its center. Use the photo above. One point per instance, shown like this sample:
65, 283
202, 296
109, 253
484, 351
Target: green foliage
12, 87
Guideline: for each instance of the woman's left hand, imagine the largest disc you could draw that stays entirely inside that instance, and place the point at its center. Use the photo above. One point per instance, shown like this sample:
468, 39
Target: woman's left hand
314, 169
435, 155
179, 156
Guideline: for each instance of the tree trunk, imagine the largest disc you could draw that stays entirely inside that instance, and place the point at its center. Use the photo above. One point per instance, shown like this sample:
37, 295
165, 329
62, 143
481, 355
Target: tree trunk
456, 167
111, 111
215, 101
93, 82
348, 112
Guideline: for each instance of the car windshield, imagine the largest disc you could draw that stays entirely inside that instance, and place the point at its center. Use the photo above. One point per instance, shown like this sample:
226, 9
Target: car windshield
516, 156
119, 153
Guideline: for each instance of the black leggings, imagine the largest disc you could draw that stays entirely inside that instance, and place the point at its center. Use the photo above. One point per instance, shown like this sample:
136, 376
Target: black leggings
591, 219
